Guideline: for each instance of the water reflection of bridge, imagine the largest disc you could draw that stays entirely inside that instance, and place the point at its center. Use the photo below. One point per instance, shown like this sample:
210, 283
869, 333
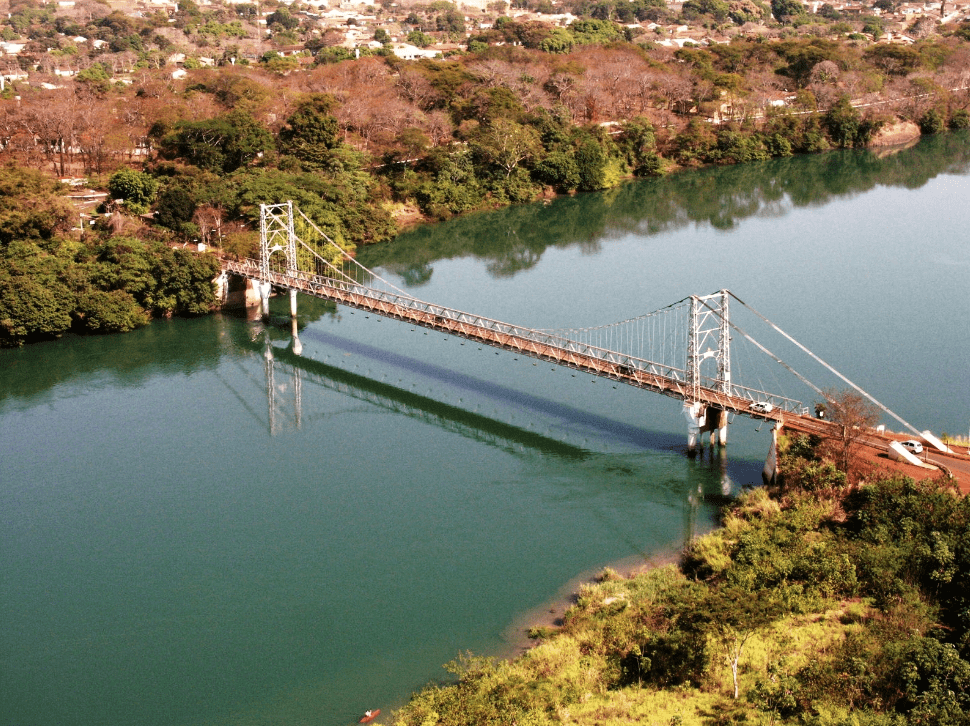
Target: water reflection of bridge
291, 384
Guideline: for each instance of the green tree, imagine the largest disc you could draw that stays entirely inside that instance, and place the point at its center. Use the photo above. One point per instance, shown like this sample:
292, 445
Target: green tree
451, 21
787, 11
843, 122
35, 303
311, 133
937, 684
96, 77
506, 144
896, 60
420, 39
224, 143
960, 119
558, 170
717, 9
114, 311
732, 616
557, 41
594, 32
640, 147
136, 188
31, 207
591, 162
873, 26
932, 122
282, 18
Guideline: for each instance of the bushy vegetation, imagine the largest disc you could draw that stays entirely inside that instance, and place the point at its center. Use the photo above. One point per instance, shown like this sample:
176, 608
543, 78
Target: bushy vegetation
814, 603
51, 283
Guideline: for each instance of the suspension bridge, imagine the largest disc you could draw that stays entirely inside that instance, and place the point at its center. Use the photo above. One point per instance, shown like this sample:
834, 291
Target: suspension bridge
683, 350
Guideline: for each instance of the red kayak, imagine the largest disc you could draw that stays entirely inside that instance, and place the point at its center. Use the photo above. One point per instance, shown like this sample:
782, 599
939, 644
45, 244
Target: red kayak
370, 715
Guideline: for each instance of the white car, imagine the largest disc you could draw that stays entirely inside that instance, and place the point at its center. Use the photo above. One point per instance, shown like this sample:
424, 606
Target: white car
913, 446
761, 407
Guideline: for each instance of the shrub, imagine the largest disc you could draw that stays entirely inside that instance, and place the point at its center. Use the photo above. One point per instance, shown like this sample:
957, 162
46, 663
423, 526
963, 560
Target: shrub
932, 122
558, 170
960, 119
114, 311
591, 164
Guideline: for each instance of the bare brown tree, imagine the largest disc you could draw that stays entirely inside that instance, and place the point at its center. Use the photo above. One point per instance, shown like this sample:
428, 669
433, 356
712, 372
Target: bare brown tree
415, 88
209, 221
856, 416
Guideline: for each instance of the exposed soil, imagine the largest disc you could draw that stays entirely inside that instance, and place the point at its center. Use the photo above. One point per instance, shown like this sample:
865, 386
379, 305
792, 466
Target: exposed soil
896, 134
958, 468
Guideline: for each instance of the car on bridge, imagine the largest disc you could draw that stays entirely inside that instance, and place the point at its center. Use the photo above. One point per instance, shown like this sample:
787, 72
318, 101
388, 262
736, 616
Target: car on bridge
912, 446
761, 407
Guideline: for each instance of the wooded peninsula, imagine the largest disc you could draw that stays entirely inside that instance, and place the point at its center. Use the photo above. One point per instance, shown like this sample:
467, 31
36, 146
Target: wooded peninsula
830, 599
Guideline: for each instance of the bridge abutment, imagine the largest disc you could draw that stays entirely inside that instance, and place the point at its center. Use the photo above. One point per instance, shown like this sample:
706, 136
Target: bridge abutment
236, 291
769, 474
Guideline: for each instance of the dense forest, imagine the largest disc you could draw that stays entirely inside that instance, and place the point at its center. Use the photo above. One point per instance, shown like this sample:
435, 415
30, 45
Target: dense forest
51, 283
817, 602
521, 110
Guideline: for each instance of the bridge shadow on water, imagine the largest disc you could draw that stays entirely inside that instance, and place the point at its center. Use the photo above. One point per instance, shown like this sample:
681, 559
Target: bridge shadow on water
574, 417
710, 477
705, 481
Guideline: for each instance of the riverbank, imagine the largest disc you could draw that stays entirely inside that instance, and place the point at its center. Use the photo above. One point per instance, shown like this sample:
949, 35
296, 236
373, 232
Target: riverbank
166, 506
891, 137
762, 621
549, 615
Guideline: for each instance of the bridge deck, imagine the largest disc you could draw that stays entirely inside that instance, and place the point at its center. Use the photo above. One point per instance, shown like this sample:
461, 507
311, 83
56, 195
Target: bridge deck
560, 351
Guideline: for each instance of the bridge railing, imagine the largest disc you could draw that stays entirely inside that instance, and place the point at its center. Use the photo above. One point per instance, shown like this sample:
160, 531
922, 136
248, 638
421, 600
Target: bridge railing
789, 405
345, 291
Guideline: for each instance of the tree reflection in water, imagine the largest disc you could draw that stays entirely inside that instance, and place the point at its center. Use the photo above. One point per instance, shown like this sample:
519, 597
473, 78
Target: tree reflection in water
514, 239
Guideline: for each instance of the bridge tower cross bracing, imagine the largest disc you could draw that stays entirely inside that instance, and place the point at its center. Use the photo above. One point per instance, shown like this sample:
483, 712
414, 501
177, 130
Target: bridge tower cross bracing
708, 338
276, 234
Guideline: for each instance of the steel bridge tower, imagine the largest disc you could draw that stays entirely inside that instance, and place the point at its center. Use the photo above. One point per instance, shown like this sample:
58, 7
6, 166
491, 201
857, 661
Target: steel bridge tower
277, 234
708, 339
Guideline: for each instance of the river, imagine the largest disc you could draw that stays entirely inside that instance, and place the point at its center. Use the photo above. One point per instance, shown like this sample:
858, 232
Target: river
199, 527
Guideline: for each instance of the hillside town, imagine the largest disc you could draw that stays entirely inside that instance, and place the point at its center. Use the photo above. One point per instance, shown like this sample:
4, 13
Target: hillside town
205, 34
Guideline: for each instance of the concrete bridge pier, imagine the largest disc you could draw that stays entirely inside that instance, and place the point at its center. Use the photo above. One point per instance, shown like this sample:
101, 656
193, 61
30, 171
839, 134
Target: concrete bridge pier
694, 414
769, 474
702, 419
715, 421
296, 345
264, 289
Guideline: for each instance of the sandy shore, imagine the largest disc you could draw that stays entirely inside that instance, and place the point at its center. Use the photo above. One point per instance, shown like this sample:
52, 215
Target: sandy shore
549, 614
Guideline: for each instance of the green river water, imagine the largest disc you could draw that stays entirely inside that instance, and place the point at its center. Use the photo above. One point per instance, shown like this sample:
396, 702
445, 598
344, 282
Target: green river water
194, 532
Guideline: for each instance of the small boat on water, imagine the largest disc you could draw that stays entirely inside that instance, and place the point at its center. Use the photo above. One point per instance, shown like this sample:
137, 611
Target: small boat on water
370, 715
